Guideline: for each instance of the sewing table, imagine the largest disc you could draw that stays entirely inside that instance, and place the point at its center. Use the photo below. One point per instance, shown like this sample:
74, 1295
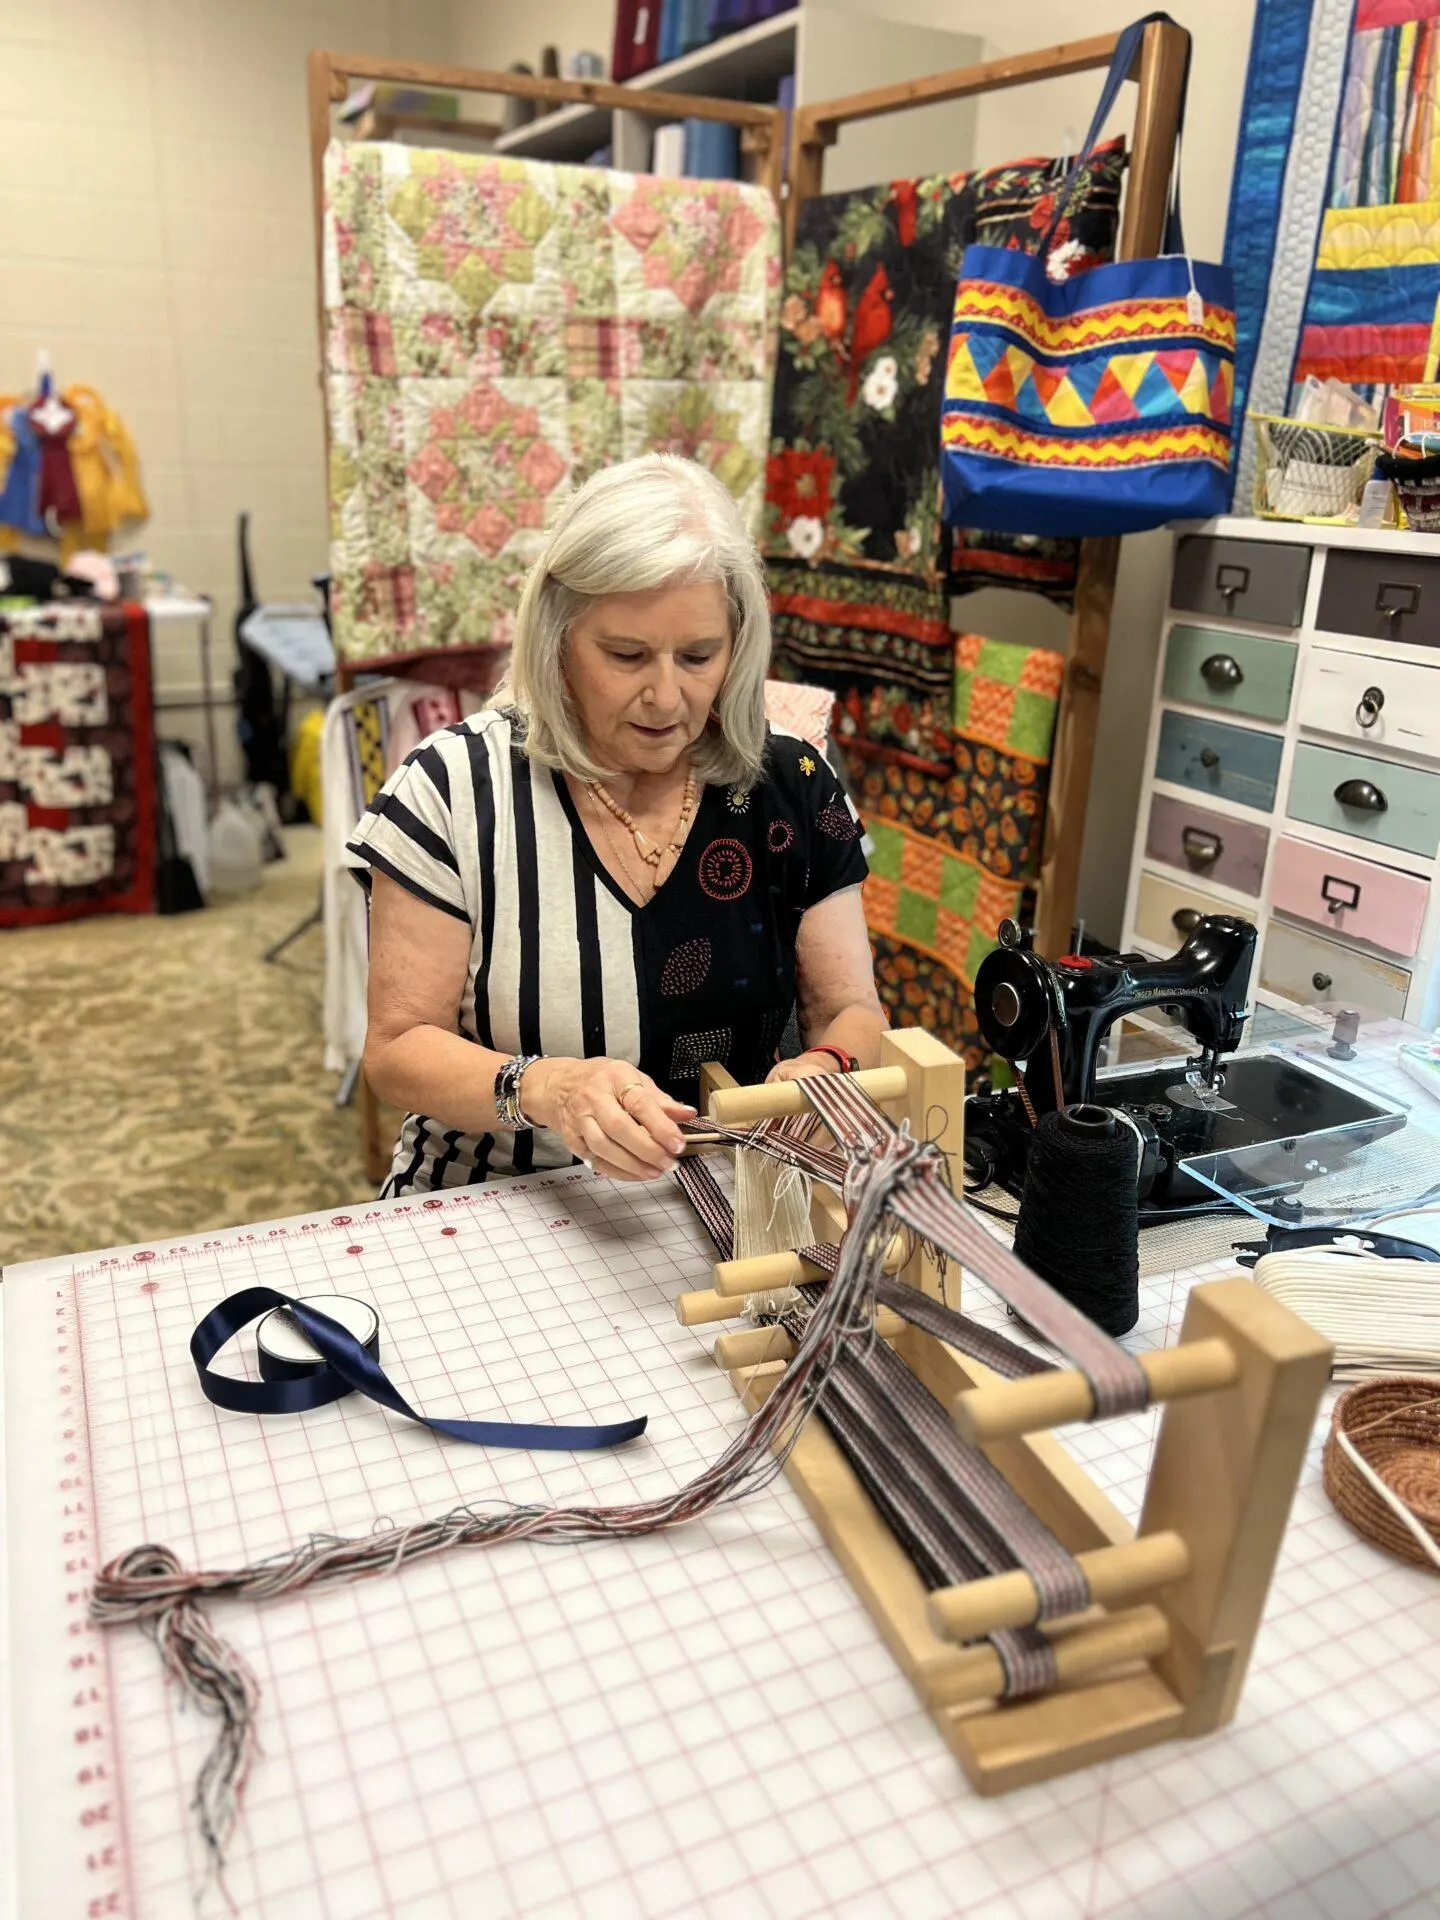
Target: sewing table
698, 1722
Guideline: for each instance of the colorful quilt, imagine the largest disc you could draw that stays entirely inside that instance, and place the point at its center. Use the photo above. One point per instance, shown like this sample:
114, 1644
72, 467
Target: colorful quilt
1334, 229
78, 831
852, 516
496, 330
951, 859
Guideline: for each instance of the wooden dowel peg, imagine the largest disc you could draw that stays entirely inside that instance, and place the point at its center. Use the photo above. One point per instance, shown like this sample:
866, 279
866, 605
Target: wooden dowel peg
1010, 1599
1139, 1634
762, 1370
1054, 1399
700, 1309
764, 1273
754, 1344
750, 1347
743, 1106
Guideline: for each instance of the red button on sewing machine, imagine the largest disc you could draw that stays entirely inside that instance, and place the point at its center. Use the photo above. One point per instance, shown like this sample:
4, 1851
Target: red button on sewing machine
1074, 960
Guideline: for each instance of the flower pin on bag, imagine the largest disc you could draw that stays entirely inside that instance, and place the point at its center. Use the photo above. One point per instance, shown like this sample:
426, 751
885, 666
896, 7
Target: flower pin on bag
1098, 404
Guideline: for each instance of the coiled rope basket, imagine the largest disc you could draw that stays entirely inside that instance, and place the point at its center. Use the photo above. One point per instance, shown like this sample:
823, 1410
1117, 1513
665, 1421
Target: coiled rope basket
1393, 1424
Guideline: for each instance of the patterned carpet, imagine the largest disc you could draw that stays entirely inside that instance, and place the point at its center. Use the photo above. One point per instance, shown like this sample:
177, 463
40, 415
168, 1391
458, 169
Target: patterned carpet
158, 1078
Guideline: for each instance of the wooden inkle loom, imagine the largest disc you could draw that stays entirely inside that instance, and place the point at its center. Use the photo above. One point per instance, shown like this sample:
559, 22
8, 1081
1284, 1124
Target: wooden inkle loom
1082, 1638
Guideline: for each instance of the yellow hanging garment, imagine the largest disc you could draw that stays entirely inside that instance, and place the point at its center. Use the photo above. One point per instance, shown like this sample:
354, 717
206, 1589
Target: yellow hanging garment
107, 473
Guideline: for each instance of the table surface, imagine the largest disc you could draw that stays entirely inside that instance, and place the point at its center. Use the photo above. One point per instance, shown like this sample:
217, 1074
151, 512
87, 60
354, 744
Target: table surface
698, 1722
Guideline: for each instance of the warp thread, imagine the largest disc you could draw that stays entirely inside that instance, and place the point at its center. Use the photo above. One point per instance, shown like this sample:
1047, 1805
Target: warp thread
1078, 1225
149, 1587
884, 1173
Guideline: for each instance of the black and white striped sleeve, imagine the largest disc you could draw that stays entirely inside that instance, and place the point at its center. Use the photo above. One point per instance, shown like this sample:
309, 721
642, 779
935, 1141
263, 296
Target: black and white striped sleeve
408, 833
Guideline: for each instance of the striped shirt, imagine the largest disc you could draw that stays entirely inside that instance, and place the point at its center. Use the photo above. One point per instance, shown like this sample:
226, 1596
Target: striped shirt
563, 962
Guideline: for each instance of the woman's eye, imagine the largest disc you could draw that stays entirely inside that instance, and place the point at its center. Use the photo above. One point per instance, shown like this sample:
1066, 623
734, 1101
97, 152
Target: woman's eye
626, 659
697, 659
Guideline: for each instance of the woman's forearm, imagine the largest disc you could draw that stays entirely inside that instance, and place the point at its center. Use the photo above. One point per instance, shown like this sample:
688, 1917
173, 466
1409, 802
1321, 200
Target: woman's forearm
854, 1029
426, 1070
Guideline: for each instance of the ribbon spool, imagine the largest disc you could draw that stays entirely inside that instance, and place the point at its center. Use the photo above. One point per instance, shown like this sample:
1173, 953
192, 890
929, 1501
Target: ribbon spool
1079, 1224
284, 1353
315, 1351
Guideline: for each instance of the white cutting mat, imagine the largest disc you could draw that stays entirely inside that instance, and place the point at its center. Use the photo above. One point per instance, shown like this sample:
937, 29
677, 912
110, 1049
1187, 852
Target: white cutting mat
699, 1723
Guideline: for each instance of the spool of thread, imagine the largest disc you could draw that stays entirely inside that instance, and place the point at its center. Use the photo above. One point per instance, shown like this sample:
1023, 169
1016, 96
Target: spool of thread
1078, 1225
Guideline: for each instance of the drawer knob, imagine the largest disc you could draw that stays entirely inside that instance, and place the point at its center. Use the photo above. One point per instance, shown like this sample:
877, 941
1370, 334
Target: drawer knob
1394, 597
1363, 795
1221, 671
1185, 919
1230, 580
1368, 711
1339, 895
1321, 982
1201, 849
1209, 757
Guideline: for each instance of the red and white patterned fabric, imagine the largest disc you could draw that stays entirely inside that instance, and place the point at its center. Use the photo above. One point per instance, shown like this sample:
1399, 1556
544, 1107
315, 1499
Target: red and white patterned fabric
78, 803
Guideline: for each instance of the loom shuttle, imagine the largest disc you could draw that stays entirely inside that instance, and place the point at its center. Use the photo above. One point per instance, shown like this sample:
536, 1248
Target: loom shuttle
1013, 1407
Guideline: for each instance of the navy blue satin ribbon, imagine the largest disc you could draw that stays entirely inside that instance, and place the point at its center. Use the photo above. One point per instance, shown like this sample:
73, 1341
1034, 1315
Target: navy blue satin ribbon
349, 1369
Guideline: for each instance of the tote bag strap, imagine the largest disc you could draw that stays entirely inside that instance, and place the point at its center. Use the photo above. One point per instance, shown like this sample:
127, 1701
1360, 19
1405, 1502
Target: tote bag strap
1127, 47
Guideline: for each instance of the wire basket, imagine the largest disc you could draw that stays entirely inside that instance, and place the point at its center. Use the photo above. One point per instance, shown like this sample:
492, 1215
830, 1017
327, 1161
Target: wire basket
1304, 472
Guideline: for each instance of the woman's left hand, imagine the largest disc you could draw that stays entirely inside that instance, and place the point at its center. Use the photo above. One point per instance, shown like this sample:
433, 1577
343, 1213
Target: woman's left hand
802, 1066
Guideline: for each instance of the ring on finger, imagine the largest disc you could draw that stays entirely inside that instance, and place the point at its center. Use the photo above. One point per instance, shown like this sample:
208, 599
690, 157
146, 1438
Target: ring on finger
635, 1086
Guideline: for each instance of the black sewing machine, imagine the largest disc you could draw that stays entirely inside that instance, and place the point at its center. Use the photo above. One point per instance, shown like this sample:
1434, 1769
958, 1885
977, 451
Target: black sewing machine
1052, 1015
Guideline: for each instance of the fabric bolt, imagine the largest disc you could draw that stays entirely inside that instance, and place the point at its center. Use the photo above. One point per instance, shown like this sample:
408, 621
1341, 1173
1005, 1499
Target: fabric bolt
705, 970
1334, 225
78, 795
498, 329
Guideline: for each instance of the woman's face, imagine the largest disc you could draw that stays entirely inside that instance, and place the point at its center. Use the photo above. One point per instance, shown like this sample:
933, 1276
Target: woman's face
645, 670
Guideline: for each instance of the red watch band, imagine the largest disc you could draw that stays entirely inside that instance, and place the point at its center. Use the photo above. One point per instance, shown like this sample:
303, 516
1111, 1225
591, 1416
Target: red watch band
846, 1062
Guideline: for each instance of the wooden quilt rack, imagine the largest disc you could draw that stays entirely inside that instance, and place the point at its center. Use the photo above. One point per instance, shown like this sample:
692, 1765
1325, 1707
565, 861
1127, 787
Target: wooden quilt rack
1159, 77
1163, 1651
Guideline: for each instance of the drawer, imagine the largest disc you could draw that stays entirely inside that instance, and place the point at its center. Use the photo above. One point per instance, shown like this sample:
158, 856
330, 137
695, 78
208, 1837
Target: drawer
1238, 672
1348, 896
1211, 845
1319, 973
1375, 702
1165, 910
1393, 805
1381, 596
1241, 579
1233, 762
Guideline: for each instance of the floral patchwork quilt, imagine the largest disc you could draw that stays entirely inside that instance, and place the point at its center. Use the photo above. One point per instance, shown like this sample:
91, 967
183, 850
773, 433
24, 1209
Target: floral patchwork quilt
497, 329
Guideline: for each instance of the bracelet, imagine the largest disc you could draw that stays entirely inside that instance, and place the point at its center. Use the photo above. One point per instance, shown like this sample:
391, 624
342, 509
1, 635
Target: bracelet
507, 1092
846, 1062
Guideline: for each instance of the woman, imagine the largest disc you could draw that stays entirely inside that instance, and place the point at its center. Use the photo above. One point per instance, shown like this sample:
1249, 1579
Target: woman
614, 873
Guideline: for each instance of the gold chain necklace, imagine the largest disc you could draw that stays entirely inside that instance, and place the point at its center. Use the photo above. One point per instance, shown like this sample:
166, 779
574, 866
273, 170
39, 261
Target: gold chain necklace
651, 852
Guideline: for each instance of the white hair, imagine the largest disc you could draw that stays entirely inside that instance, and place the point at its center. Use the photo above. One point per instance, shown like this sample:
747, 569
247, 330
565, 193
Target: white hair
653, 522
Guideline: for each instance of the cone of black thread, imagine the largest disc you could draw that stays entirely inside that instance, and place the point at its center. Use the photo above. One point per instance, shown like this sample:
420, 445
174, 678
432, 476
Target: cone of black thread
1078, 1225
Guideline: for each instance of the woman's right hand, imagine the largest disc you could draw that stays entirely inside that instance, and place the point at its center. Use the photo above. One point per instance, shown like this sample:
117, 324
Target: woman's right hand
608, 1113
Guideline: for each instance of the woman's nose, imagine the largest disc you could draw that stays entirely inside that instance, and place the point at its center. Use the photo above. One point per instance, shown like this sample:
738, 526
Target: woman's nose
661, 687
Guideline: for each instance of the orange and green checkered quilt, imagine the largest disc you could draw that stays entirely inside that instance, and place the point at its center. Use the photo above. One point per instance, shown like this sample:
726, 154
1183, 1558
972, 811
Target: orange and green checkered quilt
951, 858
